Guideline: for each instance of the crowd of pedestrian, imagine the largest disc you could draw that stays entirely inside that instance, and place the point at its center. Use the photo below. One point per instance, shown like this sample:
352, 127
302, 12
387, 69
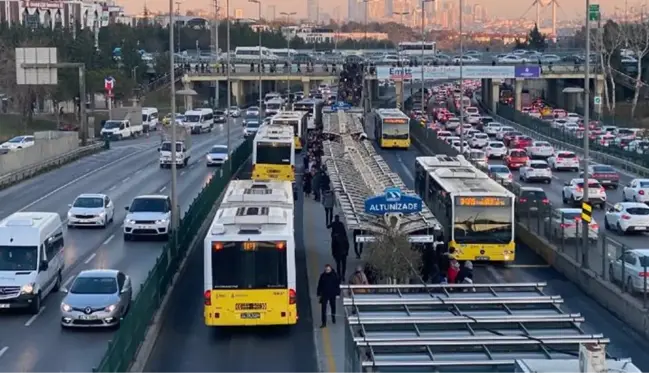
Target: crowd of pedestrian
350, 84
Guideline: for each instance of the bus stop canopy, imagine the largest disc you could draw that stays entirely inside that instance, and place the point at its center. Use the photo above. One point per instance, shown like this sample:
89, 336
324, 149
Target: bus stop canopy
357, 173
457, 328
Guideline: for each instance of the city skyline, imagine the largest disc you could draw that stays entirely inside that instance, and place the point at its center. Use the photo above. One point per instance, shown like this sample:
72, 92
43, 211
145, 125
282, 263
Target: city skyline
567, 10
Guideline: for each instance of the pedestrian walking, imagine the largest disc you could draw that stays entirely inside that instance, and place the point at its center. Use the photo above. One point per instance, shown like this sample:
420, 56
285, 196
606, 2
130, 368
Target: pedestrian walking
328, 290
306, 184
315, 185
328, 203
339, 245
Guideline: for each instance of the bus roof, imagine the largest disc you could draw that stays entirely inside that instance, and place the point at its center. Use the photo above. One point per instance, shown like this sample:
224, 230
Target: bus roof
265, 193
274, 134
458, 176
255, 219
391, 113
289, 114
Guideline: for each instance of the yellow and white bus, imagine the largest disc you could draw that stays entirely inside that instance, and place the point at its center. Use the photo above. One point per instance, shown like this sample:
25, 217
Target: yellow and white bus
392, 128
297, 120
249, 257
313, 109
273, 154
475, 212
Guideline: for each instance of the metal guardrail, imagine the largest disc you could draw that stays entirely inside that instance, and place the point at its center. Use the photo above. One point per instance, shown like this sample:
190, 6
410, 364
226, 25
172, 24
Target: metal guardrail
29, 171
623, 164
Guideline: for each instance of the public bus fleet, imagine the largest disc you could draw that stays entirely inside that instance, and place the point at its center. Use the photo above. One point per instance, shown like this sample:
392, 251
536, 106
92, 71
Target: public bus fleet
273, 153
313, 109
475, 212
297, 120
249, 257
392, 128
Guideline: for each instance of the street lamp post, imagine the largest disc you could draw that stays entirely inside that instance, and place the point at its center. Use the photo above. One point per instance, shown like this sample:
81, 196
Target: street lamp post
290, 57
229, 87
172, 75
586, 225
258, 2
461, 80
423, 48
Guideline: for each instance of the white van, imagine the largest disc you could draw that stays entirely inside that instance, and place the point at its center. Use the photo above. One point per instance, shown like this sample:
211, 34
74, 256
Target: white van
252, 54
31, 259
150, 119
199, 120
120, 129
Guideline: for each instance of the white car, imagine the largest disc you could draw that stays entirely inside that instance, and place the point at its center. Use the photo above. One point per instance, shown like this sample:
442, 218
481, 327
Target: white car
91, 210
474, 119
459, 146
450, 139
18, 142
465, 59
452, 124
476, 156
492, 128
550, 58
479, 140
629, 270
501, 132
540, 149
510, 58
234, 112
573, 193
471, 110
558, 123
570, 127
627, 217
496, 149
573, 117
564, 160
637, 190
252, 111
442, 135
500, 173
148, 216
566, 223
536, 171
217, 156
465, 127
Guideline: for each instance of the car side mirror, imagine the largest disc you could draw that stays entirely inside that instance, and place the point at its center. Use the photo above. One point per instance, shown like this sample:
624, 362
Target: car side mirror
44, 266
126, 208
64, 290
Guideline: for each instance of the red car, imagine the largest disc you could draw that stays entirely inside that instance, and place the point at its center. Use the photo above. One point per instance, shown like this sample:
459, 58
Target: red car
521, 142
516, 158
509, 136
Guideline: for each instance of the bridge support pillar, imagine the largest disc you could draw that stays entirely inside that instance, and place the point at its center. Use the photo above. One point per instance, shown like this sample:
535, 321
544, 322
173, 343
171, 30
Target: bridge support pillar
599, 91
483, 90
398, 87
189, 99
306, 85
518, 94
238, 92
495, 96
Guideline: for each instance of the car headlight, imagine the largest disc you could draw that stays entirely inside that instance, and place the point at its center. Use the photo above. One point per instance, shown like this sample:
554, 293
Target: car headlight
65, 307
102, 214
129, 221
27, 289
69, 214
110, 308
161, 221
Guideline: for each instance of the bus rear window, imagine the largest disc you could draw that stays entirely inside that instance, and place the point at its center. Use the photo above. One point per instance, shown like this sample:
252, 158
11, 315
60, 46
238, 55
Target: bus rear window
273, 153
249, 265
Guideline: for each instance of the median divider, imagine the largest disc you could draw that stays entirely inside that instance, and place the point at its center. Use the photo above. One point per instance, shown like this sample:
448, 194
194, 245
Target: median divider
126, 342
563, 258
27, 172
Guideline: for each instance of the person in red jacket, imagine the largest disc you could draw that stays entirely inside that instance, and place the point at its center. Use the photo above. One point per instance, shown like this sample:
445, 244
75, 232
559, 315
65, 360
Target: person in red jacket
453, 271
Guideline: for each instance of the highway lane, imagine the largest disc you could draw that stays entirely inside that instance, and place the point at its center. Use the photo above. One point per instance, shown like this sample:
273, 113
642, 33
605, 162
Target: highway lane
531, 268
49, 348
187, 345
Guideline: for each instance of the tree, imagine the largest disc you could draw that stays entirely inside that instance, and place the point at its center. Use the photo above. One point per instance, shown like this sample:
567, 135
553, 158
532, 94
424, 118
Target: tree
393, 256
536, 40
636, 38
607, 43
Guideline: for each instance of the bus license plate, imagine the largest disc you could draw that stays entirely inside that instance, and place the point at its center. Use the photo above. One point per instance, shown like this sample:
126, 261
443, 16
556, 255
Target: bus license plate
251, 315
482, 258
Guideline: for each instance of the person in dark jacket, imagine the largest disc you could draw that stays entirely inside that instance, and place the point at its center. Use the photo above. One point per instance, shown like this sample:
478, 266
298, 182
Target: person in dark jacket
306, 184
339, 245
315, 185
466, 272
328, 290
328, 203
337, 227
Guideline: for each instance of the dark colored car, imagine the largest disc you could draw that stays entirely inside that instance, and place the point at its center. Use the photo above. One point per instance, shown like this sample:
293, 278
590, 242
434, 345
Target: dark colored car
219, 116
530, 201
606, 175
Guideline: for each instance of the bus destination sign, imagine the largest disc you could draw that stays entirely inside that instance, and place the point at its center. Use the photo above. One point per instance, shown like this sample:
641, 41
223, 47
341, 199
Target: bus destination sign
482, 201
396, 121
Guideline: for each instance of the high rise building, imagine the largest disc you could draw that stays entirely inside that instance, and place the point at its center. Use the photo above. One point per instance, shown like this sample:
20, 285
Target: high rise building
477, 13
312, 8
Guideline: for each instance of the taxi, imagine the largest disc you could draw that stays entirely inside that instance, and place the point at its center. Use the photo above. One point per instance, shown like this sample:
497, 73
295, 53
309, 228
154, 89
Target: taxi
516, 158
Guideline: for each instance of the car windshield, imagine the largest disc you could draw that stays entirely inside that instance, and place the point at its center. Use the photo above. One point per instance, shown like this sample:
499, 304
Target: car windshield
533, 194
18, 258
496, 145
219, 112
644, 184
234, 108
252, 124
112, 124
517, 154
590, 185
94, 285
89, 202
566, 155
218, 150
539, 165
192, 118
253, 108
571, 215
638, 210
499, 169
603, 169
17, 139
149, 205
542, 144
166, 147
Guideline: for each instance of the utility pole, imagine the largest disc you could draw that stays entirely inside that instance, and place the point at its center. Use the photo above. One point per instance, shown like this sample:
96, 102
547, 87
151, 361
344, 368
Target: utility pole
172, 75
586, 224
290, 57
229, 88
215, 44
461, 80
177, 29
423, 47
258, 2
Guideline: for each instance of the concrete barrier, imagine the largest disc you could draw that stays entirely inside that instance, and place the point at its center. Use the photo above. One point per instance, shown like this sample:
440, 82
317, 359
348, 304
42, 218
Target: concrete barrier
47, 145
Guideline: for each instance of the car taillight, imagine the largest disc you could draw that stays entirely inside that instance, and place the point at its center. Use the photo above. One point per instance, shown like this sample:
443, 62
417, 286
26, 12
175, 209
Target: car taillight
601, 189
626, 217
597, 176
579, 189
292, 296
545, 201
643, 274
522, 200
594, 226
641, 192
567, 225
207, 298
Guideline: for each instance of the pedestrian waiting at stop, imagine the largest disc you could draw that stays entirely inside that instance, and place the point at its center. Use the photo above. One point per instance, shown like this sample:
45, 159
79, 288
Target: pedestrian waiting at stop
327, 291
328, 200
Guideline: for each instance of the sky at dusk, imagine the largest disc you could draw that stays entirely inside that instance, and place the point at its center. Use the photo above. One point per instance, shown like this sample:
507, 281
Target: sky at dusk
568, 9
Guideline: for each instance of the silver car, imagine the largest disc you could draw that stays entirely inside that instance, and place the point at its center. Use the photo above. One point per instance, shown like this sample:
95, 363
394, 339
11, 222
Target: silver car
97, 298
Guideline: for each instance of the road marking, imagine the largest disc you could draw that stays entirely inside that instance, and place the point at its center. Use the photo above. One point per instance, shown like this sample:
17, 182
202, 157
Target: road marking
126, 179
94, 171
182, 172
33, 318
112, 188
3, 350
90, 258
162, 189
68, 281
106, 241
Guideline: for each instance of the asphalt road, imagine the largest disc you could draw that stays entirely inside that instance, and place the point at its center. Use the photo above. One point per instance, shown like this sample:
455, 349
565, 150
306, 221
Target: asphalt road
531, 268
187, 345
130, 168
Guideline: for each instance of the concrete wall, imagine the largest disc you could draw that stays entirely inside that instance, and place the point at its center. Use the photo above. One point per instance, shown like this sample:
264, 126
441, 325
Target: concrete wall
47, 144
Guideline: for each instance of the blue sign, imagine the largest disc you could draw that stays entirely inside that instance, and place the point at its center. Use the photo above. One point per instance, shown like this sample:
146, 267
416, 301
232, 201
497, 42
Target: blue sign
340, 106
393, 201
527, 72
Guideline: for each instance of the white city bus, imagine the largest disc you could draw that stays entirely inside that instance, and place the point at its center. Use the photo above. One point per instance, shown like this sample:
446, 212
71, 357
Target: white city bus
298, 122
475, 212
413, 48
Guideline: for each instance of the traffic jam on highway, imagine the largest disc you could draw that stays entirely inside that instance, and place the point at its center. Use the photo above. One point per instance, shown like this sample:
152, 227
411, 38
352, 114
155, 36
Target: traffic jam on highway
549, 179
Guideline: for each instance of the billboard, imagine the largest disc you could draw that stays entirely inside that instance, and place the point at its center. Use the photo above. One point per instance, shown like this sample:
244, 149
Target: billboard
445, 72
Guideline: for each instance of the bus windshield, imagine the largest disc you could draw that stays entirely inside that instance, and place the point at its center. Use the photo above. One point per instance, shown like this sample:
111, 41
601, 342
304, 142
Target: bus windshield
273, 153
482, 224
250, 265
395, 131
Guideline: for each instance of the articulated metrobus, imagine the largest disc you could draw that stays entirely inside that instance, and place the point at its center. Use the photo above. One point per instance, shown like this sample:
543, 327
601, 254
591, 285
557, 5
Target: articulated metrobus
475, 212
298, 122
249, 257
313, 108
273, 154
392, 128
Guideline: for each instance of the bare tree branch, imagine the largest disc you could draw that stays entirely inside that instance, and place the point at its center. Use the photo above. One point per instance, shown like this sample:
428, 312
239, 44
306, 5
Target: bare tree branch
607, 41
636, 37
393, 256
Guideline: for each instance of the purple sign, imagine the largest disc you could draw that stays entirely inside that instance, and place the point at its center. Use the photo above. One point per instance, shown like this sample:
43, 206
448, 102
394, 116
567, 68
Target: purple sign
527, 71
